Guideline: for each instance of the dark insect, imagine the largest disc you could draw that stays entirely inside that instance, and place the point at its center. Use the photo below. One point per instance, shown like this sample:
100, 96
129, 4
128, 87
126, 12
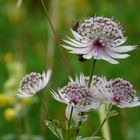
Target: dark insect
75, 25
81, 58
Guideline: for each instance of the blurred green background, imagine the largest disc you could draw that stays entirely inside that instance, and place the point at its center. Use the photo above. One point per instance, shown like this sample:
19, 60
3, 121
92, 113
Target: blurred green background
27, 44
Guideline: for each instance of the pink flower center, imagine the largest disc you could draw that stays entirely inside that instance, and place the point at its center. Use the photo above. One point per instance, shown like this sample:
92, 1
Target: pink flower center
97, 44
116, 99
74, 100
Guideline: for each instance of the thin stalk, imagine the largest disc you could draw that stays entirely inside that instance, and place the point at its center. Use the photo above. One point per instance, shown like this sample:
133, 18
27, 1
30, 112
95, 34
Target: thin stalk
41, 100
102, 114
101, 125
47, 113
91, 74
56, 38
89, 83
109, 107
79, 124
69, 123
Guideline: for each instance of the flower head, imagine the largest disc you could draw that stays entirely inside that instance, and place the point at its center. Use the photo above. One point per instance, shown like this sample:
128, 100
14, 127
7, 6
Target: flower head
98, 38
78, 95
32, 83
122, 94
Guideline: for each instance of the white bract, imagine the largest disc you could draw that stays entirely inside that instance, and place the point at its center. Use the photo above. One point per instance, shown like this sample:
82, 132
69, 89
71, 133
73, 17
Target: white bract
32, 83
98, 38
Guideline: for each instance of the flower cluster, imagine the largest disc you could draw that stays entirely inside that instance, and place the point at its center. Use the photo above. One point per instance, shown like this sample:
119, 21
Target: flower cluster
83, 98
98, 38
95, 38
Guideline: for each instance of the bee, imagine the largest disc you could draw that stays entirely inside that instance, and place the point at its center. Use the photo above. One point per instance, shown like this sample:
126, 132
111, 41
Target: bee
75, 25
81, 59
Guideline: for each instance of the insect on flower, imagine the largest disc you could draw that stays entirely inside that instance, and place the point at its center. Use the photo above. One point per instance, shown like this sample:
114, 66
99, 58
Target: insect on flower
99, 38
75, 25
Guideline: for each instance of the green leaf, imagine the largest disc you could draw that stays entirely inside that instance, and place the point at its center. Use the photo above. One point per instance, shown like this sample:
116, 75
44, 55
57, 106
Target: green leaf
90, 138
54, 126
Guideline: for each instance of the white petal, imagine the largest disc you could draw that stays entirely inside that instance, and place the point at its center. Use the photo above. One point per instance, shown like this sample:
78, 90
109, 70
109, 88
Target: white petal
108, 58
101, 55
57, 97
116, 55
77, 79
76, 35
76, 42
118, 42
82, 79
122, 49
79, 45
87, 56
127, 105
68, 47
80, 51
48, 75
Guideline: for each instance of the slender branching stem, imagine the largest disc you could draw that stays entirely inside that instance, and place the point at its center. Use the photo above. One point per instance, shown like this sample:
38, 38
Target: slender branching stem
109, 107
89, 83
79, 125
56, 38
49, 117
69, 123
91, 74
41, 100
100, 126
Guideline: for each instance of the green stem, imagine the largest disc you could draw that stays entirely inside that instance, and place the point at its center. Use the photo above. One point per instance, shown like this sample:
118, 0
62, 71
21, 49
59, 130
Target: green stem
101, 125
56, 38
89, 83
41, 100
47, 113
91, 74
79, 124
69, 123
109, 107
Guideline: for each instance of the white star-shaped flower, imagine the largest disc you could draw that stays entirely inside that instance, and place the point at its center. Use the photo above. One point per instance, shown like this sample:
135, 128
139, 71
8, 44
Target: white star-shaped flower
121, 93
99, 38
78, 95
117, 91
32, 83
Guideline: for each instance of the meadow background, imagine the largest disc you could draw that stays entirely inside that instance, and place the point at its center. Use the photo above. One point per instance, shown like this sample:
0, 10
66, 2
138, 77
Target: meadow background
27, 44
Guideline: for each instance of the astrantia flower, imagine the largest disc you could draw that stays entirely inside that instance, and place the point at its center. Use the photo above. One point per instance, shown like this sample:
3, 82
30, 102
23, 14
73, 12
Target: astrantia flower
98, 38
120, 93
76, 94
32, 83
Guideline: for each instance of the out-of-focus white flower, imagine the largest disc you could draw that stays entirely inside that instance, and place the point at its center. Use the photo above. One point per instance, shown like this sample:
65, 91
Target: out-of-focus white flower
98, 38
117, 91
32, 83
76, 115
78, 95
